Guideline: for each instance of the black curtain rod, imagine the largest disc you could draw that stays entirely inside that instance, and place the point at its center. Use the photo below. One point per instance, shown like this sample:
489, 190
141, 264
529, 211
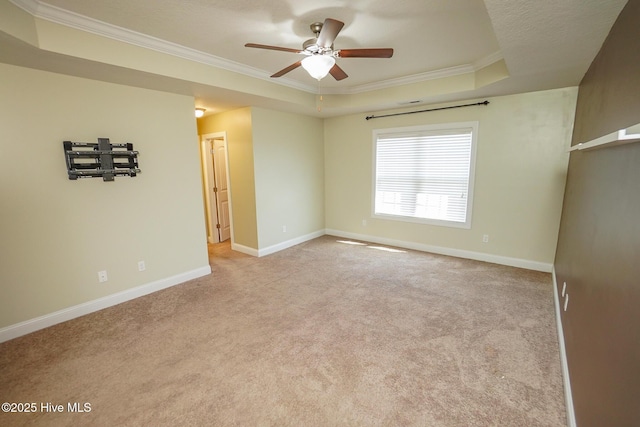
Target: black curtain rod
432, 109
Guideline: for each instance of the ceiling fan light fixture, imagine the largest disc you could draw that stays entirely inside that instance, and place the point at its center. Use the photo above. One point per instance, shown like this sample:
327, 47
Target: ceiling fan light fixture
320, 55
318, 66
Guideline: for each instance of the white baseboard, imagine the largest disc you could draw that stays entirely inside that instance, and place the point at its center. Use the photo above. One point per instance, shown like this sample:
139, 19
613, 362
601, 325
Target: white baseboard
478, 256
568, 398
32, 325
289, 243
244, 249
277, 247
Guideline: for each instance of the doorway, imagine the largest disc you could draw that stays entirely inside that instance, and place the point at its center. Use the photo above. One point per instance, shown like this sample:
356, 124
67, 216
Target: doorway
217, 189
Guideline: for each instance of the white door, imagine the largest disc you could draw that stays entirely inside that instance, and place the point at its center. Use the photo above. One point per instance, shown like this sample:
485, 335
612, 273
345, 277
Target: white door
221, 189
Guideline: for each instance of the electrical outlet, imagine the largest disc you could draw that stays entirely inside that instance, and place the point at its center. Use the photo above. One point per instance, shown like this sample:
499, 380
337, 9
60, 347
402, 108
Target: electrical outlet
284, 228
364, 222
141, 266
485, 238
102, 276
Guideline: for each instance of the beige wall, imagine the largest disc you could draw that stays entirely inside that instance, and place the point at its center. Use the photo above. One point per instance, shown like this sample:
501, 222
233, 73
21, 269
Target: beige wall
276, 167
520, 173
237, 125
289, 170
56, 234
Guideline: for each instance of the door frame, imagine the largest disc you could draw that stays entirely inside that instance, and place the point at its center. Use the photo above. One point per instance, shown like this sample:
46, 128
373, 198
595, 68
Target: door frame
211, 209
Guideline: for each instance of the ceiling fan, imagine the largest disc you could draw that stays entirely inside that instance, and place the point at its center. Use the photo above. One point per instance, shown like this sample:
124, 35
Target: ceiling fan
320, 56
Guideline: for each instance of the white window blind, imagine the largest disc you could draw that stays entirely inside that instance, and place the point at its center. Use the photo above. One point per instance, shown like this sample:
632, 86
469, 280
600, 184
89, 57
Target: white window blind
425, 173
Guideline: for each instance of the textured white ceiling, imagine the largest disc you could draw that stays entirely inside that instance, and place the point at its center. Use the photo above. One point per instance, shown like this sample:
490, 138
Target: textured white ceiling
545, 43
543, 35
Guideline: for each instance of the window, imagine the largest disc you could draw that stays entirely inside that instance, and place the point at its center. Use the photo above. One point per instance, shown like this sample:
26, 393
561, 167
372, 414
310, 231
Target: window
425, 173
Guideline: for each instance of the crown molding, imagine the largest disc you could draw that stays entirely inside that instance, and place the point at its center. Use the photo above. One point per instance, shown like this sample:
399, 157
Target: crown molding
84, 23
30, 6
415, 78
74, 20
421, 77
487, 60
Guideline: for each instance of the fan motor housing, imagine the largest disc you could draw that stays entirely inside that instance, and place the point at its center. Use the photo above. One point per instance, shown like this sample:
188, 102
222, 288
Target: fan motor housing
311, 46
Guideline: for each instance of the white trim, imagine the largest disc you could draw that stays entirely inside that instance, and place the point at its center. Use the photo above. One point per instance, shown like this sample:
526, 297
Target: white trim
487, 60
207, 174
420, 77
278, 246
568, 397
32, 325
223, 134
289, 243
30, 6
415, 78
460, 253
244, 249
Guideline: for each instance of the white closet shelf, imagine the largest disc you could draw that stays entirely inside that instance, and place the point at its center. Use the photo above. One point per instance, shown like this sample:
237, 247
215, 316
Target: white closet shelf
623, 136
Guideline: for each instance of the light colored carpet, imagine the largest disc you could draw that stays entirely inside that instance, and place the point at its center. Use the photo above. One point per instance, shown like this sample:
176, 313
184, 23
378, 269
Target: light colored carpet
326, 333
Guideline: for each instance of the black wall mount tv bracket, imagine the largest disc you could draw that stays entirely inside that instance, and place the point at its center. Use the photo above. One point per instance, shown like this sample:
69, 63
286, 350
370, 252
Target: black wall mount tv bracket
106, 160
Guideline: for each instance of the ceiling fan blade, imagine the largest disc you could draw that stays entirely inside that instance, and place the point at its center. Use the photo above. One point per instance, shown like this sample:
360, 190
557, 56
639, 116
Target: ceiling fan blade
365, 53
286, 70
329, 32
264, 46
338, 73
